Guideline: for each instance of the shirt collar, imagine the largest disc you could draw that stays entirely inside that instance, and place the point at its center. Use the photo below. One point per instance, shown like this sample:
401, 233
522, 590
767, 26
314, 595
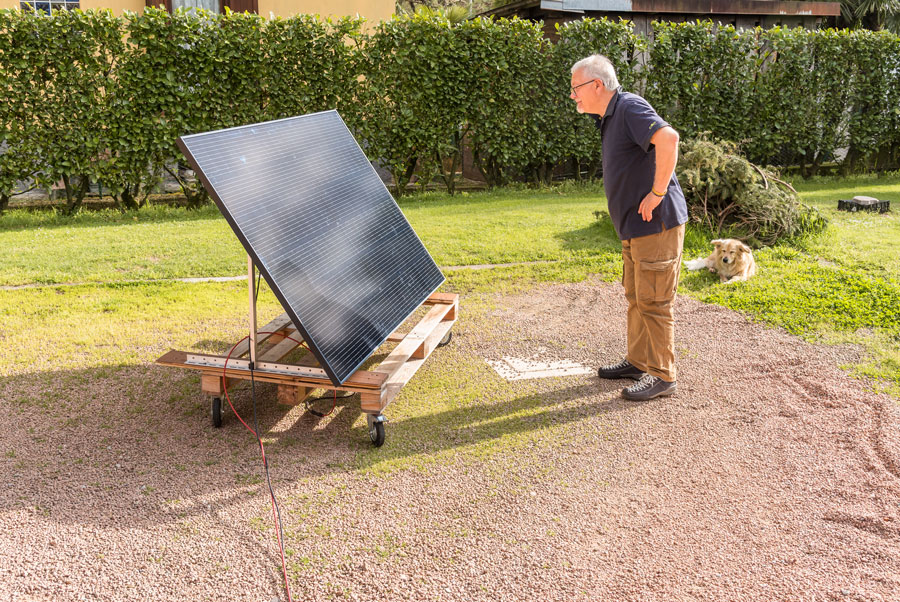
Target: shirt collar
611, 107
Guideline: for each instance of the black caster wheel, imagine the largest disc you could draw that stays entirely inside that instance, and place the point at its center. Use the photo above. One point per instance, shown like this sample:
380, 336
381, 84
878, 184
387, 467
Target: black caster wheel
446, 340
217, 412
376, 429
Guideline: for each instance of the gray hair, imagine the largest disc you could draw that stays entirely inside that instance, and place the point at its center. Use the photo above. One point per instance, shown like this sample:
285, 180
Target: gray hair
598, 66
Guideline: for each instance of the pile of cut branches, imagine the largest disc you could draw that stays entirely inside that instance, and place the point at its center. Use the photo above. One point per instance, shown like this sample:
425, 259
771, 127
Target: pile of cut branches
730, 195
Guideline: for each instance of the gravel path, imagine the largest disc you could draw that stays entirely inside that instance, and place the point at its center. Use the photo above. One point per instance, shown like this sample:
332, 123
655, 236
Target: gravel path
771, 475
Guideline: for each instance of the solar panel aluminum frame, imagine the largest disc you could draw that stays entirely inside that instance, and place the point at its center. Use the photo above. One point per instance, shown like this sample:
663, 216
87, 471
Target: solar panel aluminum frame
336, 379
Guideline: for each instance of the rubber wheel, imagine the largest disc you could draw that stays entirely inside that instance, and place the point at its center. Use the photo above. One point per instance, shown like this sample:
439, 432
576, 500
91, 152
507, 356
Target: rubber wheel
447, 338
217, 412
376, 431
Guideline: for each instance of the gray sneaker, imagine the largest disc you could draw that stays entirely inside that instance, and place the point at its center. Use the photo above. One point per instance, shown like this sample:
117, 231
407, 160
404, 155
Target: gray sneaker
647, 388
623, 369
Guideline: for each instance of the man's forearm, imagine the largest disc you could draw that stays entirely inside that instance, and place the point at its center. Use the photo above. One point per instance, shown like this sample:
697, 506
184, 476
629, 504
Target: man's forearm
666, 143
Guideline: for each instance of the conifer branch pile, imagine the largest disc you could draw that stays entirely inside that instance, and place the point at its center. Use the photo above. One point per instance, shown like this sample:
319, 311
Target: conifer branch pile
730, 195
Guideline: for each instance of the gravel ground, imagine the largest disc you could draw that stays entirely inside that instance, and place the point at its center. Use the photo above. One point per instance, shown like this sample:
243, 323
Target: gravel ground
771, 475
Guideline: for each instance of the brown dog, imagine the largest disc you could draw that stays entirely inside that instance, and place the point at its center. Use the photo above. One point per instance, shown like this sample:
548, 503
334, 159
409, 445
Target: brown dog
732, 260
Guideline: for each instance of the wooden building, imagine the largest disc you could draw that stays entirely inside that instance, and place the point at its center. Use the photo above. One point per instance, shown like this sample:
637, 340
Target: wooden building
743, 14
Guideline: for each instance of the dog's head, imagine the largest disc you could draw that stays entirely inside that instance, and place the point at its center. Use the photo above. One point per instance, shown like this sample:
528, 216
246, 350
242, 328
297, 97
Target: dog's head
730, 251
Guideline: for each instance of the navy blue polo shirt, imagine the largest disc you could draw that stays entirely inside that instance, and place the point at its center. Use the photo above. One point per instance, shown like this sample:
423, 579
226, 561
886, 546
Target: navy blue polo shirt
629, 164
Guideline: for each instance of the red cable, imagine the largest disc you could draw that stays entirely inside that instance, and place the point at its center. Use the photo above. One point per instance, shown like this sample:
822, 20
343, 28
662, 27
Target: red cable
263, 449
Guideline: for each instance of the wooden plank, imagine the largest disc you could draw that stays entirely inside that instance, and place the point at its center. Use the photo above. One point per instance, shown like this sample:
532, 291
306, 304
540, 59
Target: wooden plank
422, 350
370, 403
280, 349
451, 315
361, 380
399, 373
401, 376
413, 341
211, 385
377, 388
278, 323
436, 298
286, 379
431, 341
291, 395
173, 358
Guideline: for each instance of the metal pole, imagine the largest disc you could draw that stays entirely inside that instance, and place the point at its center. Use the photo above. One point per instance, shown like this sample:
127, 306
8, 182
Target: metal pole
252, 288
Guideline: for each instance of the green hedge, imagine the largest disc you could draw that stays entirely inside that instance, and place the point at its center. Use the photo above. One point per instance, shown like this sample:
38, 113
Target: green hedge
89, 96
57, 79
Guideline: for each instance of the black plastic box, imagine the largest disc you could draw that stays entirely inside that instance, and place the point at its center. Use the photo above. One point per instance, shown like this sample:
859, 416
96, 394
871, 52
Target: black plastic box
864, 203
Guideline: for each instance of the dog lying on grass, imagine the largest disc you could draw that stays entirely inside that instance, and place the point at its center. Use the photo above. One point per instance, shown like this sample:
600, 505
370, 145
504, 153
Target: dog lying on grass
731, 259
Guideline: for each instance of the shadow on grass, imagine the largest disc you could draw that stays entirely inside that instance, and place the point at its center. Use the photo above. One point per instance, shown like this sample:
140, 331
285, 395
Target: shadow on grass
698, 281
424, 438
599, 236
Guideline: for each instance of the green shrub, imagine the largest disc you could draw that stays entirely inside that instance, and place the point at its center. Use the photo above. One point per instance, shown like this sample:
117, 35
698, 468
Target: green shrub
56, 78
416, 90
702, 78
512, 92
803, 93
874, 122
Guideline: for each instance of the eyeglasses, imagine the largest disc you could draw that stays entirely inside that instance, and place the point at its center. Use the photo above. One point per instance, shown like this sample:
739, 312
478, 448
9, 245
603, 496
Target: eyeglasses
574, 88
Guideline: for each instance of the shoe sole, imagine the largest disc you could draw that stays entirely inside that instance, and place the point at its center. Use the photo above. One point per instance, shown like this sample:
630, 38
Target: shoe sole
665, 393
621, 376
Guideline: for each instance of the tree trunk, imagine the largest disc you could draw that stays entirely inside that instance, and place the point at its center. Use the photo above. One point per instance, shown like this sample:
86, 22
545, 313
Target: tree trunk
196, 195
455, 161
595, 171
75, 192
401, 179
450, 179
485, 169
127, 200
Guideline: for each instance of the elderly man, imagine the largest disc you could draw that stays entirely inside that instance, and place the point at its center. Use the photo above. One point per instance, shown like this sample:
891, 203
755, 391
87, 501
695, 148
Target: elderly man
647, 207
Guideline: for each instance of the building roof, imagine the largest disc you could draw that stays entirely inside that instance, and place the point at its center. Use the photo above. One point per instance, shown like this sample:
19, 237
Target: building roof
692, 7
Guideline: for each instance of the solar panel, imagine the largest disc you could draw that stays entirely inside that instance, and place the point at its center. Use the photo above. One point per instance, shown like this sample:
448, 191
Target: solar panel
324, 231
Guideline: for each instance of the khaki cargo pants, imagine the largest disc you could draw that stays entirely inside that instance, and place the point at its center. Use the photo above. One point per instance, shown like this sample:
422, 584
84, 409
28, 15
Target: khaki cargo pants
652, 265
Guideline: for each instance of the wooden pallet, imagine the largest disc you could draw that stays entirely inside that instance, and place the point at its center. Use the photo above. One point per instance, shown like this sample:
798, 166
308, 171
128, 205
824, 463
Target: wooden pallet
377, 387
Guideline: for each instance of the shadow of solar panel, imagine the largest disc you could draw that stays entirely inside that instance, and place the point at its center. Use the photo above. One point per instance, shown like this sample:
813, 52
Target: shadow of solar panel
324, 231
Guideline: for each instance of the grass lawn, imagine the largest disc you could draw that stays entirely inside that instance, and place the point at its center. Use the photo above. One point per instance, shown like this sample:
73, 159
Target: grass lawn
841, 287
165, 243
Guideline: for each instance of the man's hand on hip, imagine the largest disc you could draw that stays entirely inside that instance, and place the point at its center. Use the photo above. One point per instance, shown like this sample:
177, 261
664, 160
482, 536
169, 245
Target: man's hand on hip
650, 202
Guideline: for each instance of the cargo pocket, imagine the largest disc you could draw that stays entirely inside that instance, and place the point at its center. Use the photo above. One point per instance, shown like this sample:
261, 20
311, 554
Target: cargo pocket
659, 279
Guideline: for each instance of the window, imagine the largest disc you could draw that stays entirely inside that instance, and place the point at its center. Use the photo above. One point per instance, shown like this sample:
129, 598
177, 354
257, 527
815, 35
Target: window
210, 5
215, 6
45, 6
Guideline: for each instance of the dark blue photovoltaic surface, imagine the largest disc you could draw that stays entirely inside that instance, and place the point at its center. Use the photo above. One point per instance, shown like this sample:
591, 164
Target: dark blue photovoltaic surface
324, 231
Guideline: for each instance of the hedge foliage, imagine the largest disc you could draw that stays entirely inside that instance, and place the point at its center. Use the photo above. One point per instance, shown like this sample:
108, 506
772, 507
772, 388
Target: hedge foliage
90, 96
789, 96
